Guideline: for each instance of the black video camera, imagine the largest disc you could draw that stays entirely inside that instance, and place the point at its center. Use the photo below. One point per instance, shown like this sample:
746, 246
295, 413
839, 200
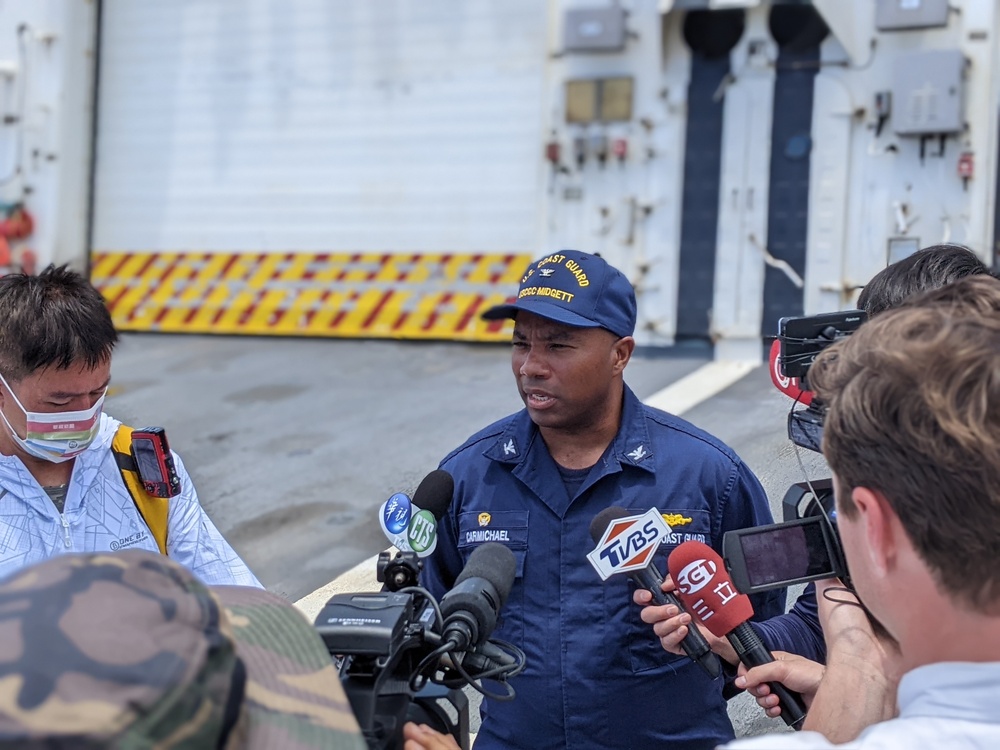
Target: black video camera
804, 547
403, 657
801, 340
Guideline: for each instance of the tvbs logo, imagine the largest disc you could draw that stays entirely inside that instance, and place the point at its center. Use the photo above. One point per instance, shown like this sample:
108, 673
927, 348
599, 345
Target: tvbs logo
628, 543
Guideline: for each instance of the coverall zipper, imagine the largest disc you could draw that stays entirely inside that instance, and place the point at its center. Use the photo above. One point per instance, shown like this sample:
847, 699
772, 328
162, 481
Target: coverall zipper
65, 525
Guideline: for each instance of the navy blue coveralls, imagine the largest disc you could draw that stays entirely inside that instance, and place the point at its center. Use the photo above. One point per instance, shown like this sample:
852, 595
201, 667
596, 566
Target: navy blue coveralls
596, 675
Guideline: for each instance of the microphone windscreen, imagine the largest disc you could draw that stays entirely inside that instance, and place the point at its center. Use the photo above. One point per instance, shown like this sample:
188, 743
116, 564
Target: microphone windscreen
603, 519
493, 562
471, 606
705, 588
435, 492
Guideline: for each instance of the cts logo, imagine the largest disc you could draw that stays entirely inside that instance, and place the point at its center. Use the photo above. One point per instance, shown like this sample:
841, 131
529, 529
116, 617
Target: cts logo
628, 543
422, 533
484, 519
695, 576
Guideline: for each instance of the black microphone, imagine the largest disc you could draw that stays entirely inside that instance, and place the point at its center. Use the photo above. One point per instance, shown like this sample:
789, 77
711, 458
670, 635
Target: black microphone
649, 578
470, 608
434, 492
704, 584
411, 526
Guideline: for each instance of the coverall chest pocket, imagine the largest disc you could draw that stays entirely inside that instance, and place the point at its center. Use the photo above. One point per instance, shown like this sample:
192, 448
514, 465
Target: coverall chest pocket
509, 528
645, 650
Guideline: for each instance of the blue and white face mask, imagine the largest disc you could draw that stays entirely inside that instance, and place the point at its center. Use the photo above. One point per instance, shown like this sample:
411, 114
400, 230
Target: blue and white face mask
56, 436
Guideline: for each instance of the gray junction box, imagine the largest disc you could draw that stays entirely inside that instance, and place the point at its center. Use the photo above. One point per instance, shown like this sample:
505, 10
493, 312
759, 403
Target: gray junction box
899, 15
594, 30
927, 93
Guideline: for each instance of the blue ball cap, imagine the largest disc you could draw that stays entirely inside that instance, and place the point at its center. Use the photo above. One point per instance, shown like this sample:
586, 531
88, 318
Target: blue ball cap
575, 288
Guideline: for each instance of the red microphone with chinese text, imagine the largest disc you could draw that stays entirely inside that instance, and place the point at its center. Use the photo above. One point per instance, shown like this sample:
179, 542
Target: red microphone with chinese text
709, 595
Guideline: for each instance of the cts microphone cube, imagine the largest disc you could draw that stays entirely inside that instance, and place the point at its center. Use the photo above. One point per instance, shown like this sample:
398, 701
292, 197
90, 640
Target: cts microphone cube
394, 518
411, 527
430, 503
421, 534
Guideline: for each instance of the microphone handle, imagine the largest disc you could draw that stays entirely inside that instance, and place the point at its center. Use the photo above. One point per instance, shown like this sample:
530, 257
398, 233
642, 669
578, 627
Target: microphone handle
694, 643
753, 653
486, 658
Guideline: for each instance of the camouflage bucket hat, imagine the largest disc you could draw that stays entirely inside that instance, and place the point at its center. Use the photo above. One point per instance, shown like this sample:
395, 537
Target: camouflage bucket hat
131, 651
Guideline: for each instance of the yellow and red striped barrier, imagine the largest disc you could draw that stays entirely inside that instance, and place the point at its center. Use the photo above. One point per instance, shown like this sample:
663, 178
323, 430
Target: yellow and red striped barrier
360, 295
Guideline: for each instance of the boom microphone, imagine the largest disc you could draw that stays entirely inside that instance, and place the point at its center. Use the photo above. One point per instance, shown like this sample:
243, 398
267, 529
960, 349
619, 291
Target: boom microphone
470, 609
649, 578
707, 591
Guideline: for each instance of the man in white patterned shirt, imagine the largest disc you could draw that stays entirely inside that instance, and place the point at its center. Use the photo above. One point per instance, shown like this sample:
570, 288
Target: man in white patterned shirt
61, 489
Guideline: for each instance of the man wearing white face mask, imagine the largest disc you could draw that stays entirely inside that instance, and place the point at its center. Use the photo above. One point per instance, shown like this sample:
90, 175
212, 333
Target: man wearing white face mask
61, 489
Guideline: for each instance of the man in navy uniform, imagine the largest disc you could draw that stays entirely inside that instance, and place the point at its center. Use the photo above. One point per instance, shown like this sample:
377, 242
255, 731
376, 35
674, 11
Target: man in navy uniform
596, 675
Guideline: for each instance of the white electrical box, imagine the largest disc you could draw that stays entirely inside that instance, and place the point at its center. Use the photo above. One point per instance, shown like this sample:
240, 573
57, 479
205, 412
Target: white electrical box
900, 15
594, 30
927, 93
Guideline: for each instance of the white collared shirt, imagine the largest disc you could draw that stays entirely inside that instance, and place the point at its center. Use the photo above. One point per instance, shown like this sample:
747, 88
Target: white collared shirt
953, 705
100, 516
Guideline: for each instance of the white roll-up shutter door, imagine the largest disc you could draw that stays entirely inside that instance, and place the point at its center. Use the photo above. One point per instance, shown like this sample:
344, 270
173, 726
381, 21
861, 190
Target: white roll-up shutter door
317, 167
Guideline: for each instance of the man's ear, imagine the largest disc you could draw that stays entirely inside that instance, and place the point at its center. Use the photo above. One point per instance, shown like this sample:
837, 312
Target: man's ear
621, 353
876, 517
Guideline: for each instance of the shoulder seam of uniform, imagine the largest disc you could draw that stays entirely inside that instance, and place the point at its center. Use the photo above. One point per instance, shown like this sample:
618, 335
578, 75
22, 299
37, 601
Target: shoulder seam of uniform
487, 433
673, 422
